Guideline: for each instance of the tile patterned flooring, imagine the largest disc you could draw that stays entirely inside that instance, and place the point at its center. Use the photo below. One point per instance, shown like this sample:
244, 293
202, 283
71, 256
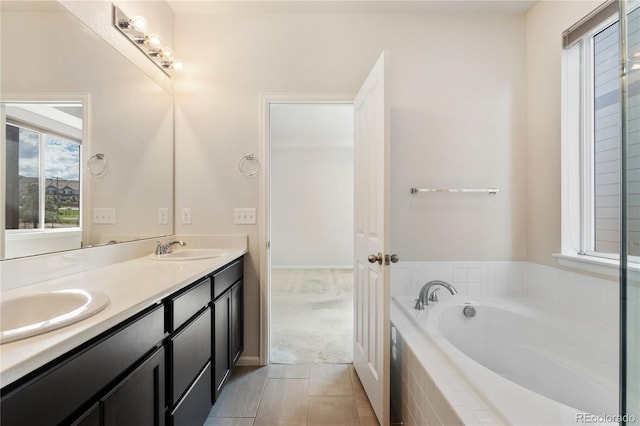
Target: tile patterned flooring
296, 394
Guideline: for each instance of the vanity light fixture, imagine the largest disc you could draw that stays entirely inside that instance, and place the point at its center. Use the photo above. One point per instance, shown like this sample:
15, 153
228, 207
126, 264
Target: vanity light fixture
135, 30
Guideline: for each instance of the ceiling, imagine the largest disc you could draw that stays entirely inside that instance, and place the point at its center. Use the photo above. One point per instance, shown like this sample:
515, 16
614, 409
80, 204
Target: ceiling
351, 6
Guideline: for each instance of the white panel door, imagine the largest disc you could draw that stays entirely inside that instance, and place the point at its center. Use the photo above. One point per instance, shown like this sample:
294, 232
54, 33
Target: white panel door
371, 292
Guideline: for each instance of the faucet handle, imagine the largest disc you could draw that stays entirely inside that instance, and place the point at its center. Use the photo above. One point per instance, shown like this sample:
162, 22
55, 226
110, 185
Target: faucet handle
434, 295
419, 305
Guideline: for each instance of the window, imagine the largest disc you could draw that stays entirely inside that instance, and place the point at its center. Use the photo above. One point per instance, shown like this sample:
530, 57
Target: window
591, 137
42, 179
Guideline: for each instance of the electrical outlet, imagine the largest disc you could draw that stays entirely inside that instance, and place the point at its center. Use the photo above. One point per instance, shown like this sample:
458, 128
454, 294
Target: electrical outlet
244, 216
104, 216
163, 216
186, 216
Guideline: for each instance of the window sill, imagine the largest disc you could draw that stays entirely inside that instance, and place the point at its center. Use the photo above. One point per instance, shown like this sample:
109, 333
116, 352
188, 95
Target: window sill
598, 265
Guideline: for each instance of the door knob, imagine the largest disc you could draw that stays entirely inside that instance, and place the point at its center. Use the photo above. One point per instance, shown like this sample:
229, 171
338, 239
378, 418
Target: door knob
393, 258
373, 258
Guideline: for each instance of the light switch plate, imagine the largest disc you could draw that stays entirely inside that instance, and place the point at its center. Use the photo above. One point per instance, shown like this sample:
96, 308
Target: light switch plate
163, 216
104, 216
186, 216
245, 216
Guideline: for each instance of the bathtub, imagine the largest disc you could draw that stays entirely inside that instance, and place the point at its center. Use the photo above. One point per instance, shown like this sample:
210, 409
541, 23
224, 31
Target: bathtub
528, 366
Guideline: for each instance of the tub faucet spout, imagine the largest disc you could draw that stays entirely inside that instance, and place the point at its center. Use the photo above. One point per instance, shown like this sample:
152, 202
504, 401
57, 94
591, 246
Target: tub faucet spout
424, 299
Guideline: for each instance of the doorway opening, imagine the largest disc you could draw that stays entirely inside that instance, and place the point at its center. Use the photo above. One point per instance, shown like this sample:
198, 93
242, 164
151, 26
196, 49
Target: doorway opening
311, 213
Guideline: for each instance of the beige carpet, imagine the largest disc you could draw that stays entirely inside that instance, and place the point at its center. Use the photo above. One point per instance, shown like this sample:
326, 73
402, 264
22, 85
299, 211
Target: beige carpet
311, 316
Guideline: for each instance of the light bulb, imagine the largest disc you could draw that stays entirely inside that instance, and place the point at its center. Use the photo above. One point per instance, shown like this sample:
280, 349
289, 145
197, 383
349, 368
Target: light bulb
166, 52
139, 23
176, 64
153, 40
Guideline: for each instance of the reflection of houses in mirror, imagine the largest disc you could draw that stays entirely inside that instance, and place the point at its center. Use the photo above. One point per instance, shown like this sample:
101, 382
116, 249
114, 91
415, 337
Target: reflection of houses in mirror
62, 208
68, 191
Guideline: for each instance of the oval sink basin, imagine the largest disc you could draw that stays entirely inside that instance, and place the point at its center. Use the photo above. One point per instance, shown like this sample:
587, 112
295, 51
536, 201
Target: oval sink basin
37, 313
190, 254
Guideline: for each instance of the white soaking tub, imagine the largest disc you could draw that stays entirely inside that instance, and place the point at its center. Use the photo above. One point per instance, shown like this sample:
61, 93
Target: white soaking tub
530, 366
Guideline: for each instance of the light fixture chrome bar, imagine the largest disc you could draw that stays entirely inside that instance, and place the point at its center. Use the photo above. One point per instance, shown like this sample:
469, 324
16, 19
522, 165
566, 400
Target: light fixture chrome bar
122, 22
492, 191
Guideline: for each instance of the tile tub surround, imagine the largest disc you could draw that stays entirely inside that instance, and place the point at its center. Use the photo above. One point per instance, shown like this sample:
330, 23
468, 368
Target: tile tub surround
132, 286
563, 292
436, 397
442, 395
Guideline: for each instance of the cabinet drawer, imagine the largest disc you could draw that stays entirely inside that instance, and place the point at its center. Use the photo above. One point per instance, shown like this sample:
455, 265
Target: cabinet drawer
190, 350
186, 304
227, 277
70, 382
196, 404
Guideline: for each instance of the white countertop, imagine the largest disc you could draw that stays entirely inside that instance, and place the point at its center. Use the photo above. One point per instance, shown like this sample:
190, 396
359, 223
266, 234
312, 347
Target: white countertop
132, 286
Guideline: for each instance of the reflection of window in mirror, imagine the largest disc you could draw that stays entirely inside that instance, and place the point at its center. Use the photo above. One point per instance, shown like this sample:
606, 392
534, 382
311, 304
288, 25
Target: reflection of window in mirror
42, 177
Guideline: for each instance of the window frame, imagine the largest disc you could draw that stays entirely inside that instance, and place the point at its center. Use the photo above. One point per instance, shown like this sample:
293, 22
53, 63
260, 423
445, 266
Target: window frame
42, 192
578, 156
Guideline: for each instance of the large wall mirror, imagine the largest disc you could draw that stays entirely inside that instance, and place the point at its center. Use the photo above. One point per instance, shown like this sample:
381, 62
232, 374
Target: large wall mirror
87, 137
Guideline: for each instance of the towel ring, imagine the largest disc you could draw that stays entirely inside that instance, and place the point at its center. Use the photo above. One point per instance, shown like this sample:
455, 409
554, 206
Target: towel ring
97, 164
249, 165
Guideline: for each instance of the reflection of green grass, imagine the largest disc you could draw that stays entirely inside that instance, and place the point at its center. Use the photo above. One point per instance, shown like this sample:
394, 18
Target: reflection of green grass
69, 216
65, 212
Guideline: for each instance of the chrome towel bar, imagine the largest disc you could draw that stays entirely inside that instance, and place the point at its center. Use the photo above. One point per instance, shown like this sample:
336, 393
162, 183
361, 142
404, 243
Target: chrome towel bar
492, 191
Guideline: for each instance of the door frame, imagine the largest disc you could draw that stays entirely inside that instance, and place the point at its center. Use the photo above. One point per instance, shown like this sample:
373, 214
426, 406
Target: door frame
266, 99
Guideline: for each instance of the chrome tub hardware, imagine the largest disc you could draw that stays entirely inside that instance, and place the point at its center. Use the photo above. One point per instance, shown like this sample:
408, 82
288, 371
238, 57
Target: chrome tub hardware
424, 298
167, 248
469, 310
492, 191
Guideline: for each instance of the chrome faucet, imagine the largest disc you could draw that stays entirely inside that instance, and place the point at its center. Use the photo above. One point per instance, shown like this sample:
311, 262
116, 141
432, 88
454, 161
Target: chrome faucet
424, 298
167, 248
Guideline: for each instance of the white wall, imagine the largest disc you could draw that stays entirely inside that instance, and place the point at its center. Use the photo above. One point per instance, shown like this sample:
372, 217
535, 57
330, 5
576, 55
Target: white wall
311, 185
457, 97
545, 23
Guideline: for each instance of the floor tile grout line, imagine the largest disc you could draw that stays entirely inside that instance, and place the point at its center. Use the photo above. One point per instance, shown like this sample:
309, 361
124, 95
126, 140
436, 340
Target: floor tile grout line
264, 385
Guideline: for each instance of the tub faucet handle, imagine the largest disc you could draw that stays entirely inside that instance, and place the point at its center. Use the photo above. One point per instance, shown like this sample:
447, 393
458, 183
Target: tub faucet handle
434, 295
419, 305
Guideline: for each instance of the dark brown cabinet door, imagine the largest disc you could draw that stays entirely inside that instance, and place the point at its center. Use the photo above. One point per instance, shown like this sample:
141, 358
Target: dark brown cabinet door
237, 322
138, 400
189, 350
221, 342
90, 418
194, 407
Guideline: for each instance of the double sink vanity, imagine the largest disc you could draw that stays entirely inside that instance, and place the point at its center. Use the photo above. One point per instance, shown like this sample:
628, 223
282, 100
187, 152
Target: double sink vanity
151, 340
94, 329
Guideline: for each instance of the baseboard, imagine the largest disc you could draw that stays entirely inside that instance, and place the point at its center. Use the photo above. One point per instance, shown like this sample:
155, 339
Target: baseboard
312, 267
248, 361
